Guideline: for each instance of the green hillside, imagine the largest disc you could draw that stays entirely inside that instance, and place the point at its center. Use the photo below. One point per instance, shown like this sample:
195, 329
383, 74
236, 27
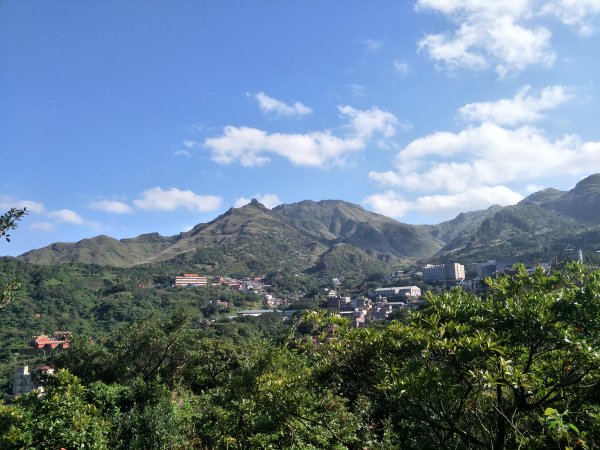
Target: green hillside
247, 239
343, 222
464, 222
542, 225
101, 250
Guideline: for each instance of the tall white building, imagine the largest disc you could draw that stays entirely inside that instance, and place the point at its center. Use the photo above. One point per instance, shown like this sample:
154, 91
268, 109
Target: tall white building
440, 273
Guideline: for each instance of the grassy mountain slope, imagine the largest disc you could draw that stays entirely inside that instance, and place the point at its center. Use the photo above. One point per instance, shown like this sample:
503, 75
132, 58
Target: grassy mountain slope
343, 222
582, 203
513, 230
332, 236
542, 224
348, 260
464, 222
251, 238
101, 250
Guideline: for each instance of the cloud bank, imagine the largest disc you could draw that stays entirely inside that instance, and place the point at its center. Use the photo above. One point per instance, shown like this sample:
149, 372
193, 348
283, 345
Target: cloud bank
506, 35
252, 147
158, 199
470, 168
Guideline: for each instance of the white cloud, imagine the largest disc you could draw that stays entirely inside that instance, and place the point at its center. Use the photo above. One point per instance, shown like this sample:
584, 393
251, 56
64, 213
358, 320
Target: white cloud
158, 199
523, 108
271, 105
42, 226
488, 33
372, 44
442, 207
8, 202
357, 90
401, 67
251, 146
489, 155
111, 206
190, 144
531, 188
387, 178
471, 168
574, 12
268, 200
67, 216
182, 153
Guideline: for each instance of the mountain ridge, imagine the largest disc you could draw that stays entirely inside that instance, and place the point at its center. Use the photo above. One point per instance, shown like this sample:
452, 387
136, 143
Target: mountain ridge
315, 236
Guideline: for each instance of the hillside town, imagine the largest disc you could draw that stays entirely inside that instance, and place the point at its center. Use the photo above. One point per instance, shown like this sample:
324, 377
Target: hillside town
360, 308
377, 304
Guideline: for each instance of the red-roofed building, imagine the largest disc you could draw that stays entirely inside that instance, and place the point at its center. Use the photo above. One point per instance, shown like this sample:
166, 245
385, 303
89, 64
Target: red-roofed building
59, 340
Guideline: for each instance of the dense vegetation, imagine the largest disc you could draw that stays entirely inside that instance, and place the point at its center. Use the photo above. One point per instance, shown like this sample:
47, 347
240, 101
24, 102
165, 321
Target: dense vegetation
96, 301
516, 368
540, 226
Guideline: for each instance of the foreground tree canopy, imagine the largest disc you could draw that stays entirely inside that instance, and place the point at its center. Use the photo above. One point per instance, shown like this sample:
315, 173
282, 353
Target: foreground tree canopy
516, 368
9, 221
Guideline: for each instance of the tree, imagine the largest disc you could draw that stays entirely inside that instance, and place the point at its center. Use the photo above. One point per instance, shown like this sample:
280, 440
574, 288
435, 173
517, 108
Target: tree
60, 417
471, 372
8, 221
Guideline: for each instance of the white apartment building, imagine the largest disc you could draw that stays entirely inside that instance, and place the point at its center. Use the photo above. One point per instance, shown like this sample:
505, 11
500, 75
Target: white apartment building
440, 273
191, 279
403, 291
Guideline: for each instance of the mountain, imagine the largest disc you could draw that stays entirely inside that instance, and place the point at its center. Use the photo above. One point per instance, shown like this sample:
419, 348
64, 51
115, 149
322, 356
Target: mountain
342, 222
333, 237
545, 223
252, 237
101, 250
582, 203
461, 224
328, 237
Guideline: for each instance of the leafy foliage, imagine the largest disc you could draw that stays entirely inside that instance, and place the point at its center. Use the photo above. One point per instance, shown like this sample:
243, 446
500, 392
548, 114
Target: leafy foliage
516, 368
8, 221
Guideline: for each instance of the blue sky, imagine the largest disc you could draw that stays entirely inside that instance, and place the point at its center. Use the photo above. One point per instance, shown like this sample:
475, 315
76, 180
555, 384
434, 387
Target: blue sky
122, 118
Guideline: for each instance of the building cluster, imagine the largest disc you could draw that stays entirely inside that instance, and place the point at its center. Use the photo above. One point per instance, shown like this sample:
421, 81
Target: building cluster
505, 266
454, 273
377, 306
247, 284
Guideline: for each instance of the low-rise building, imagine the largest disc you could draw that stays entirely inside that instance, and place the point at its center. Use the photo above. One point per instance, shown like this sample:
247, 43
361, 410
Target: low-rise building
396, 292
254, 312
23, 381
60, 340
191, 279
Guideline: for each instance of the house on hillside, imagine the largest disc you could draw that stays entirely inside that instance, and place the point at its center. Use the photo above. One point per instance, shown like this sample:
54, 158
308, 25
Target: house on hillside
60, 340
